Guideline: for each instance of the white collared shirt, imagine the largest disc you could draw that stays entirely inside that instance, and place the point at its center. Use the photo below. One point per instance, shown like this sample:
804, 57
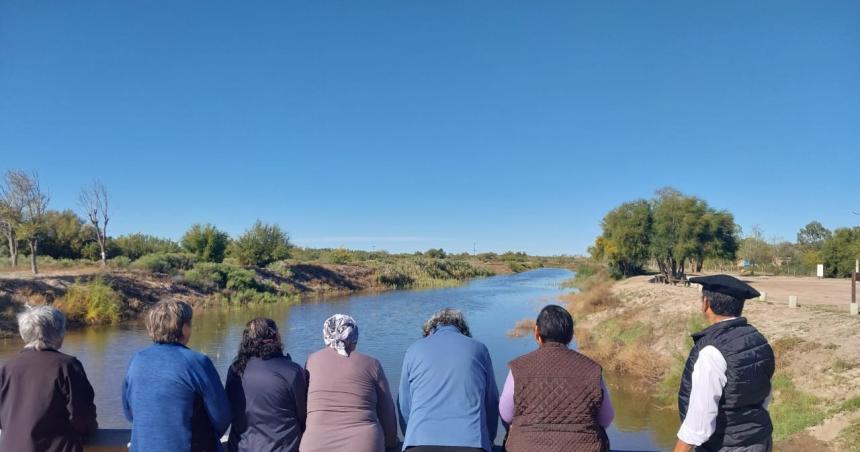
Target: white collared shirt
708, 381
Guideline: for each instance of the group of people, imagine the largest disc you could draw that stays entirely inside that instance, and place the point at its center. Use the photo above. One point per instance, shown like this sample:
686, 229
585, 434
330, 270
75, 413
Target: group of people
553, 399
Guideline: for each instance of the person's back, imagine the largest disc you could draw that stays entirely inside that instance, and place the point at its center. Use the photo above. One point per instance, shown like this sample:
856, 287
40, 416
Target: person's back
448, 394
171, 392
349, 404
46, 403
267, 392
557, 400
349, 401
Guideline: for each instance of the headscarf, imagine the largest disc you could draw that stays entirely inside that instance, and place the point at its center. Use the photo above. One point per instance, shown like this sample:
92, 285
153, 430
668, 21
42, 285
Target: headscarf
340, 333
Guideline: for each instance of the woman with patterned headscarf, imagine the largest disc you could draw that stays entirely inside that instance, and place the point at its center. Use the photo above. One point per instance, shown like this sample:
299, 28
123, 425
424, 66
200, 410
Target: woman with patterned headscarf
349, 403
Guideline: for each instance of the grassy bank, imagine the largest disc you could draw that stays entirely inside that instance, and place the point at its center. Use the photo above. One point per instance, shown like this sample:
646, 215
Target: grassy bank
90, 294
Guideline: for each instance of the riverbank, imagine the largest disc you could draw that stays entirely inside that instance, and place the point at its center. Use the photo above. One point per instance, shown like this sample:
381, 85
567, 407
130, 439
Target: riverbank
93, 295
642, 329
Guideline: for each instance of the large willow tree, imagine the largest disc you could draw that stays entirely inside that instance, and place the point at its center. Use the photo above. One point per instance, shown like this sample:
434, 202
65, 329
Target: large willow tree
673, 229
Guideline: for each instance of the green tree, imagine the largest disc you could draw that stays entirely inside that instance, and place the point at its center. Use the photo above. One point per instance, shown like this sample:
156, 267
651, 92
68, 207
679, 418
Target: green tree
134, 246
756, 250
813, 235
625, 241
261, 245
206, 242
686, 230
840, 251
720, 238
25, 192
65, 235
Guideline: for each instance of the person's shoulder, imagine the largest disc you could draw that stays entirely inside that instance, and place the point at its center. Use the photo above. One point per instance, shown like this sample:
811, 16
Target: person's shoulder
365, 359
317, 355
285, 364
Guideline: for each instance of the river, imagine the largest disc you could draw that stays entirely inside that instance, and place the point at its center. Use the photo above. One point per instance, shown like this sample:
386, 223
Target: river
388, 323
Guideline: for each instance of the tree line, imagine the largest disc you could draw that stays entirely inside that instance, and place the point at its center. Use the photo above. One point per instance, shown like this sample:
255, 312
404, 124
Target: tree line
675, 233
31, 228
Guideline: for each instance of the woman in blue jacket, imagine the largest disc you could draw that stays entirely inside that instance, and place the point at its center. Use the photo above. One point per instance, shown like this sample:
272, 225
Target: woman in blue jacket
172, 395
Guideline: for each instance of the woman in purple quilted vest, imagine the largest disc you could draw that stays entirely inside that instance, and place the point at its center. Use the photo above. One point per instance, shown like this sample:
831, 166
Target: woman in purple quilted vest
555, 399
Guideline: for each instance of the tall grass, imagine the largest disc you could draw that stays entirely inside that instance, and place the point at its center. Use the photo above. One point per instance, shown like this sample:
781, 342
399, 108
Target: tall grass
91, 303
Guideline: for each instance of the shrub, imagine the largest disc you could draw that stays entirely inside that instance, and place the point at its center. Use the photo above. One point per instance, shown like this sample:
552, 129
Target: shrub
250, 296
261, 245
339, 256
169, 263
210, 276
92, 303
206, 242
135, 246
119, 262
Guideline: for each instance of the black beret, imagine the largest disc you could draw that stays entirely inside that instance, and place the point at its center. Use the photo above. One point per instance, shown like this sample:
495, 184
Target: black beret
726, 284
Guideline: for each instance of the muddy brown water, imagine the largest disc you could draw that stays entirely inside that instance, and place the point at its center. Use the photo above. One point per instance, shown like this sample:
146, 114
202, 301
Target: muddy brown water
389, 322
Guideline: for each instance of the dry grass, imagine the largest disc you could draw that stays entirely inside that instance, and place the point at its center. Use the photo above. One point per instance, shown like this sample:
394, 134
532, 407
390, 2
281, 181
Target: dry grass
599, 297
623, 345
522, 328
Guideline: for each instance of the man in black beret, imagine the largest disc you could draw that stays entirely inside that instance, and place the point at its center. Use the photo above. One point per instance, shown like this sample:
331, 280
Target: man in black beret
725, 388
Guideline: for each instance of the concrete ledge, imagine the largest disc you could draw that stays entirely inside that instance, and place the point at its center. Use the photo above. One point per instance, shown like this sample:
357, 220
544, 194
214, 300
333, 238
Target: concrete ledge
116, 440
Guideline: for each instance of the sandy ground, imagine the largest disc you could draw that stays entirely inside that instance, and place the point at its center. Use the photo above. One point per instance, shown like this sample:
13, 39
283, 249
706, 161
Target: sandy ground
809, 291
827, 361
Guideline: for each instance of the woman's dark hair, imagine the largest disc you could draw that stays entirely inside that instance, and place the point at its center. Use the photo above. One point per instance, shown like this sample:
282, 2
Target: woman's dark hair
555, 324
260, 339
722, 304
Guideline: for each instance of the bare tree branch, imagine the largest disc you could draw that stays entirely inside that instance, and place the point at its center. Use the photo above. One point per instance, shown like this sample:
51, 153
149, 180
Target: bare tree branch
95, 202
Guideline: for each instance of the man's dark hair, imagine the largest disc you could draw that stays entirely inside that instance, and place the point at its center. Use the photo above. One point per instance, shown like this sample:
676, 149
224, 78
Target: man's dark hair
555, 324
723, 304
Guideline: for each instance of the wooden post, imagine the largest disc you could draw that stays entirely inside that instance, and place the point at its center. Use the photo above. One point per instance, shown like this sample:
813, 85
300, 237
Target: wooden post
854, 278
854, 308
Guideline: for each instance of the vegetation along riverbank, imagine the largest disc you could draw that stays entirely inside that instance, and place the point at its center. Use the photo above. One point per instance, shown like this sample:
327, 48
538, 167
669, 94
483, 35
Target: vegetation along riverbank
91, 294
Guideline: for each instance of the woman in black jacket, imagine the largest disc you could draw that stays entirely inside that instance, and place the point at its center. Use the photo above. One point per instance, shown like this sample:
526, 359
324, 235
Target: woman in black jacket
267, 392
46, 401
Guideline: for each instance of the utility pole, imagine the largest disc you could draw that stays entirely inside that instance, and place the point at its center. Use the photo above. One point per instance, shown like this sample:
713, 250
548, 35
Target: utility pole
474, 249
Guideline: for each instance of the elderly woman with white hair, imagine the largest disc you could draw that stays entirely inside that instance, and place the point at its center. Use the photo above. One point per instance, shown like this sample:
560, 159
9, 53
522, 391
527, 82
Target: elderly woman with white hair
46, 400
349, 403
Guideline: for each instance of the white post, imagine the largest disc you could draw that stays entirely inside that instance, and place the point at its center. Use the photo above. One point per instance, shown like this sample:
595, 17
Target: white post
854, 308
856, 265
792, 301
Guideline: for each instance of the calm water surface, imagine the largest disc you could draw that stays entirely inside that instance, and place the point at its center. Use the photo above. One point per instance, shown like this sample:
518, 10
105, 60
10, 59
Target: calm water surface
389, 322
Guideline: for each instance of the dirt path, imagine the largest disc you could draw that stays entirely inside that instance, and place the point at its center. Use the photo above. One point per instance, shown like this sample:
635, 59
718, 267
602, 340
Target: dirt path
819, 341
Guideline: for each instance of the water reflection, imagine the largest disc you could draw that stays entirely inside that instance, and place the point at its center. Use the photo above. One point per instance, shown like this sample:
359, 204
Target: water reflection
389, 322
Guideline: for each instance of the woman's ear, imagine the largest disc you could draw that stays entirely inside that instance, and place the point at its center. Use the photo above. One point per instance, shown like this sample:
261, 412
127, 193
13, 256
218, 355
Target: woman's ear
538, 339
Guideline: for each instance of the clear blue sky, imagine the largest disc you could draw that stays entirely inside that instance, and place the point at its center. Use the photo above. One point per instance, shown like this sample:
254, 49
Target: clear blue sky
408, 124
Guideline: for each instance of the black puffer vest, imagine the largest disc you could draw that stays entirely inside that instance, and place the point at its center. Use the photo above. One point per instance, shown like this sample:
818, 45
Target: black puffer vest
742, 419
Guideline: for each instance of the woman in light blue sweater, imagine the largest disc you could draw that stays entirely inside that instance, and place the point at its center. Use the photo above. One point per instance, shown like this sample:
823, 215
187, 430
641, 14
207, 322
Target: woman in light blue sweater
172, 395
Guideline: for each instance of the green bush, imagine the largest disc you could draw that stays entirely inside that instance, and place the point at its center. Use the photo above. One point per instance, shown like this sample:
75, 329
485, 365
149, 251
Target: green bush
210, 276
169, 263
206, 242
119, 262
250, 296
92, 303
261, 245
135, 246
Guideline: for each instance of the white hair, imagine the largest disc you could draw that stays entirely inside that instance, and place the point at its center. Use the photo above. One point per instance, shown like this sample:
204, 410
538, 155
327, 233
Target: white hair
42, 327
444, 317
